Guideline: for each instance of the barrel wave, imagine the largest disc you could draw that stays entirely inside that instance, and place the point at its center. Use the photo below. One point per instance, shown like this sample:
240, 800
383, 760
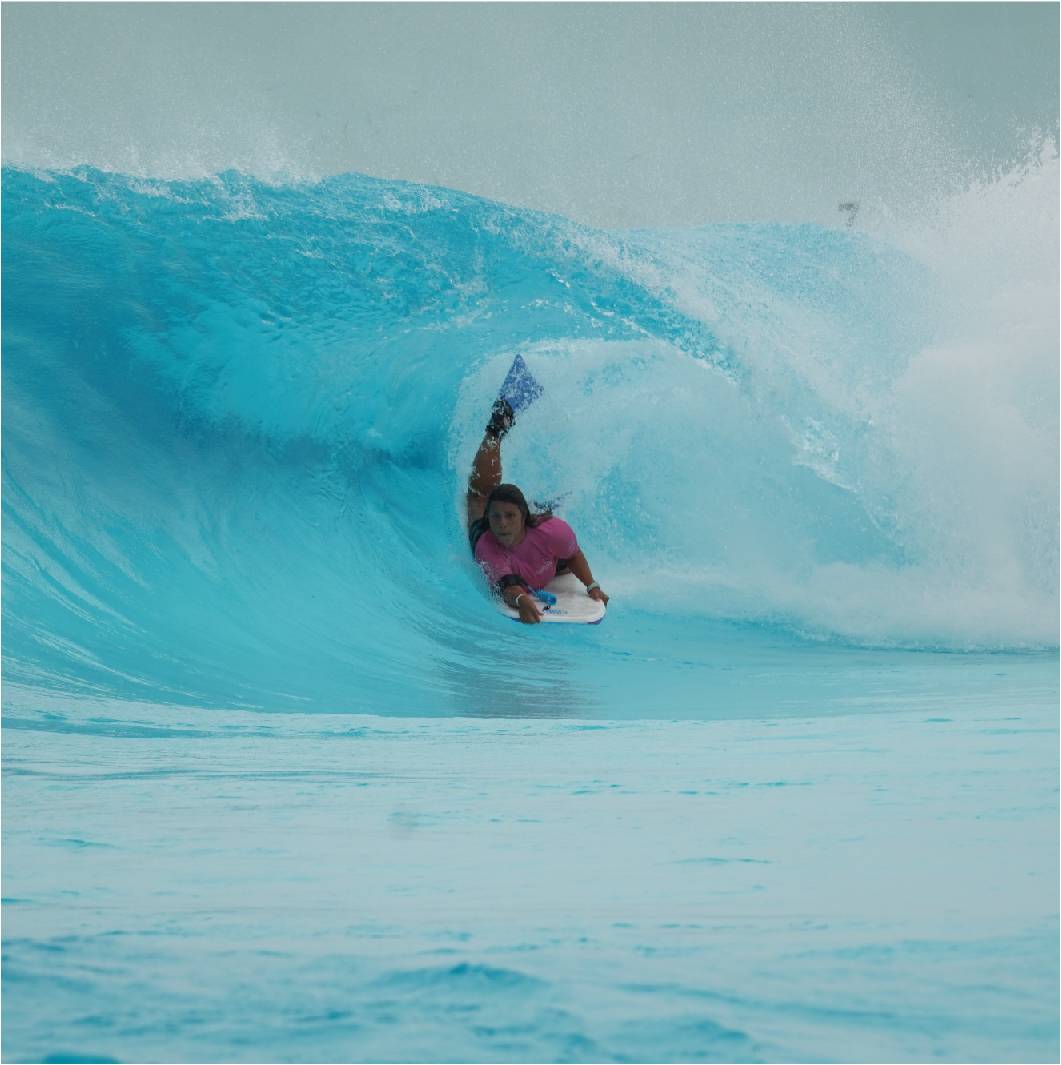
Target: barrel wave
239, 418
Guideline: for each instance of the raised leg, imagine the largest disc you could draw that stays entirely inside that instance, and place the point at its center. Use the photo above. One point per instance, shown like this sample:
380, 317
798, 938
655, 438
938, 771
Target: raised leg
486, 468
485, 477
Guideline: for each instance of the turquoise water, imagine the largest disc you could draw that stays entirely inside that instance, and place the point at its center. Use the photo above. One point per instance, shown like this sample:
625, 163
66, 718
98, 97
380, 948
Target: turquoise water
814, 469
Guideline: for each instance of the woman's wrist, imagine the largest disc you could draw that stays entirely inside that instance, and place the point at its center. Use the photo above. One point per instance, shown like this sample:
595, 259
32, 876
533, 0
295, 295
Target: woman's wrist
591, 586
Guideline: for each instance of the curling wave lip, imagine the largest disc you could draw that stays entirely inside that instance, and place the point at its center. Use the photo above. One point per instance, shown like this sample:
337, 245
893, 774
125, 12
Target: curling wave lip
289, 533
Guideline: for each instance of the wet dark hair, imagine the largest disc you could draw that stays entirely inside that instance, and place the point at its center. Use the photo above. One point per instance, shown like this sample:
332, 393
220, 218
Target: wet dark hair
509, 493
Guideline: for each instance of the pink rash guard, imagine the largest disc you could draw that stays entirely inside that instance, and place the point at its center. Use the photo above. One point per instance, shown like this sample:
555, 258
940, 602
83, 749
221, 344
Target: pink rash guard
534, 558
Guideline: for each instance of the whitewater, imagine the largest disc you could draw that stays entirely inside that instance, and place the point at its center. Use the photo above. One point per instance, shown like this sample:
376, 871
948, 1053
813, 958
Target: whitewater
280, 783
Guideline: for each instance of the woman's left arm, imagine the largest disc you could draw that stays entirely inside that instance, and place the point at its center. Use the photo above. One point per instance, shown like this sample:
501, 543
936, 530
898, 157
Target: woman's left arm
580, 568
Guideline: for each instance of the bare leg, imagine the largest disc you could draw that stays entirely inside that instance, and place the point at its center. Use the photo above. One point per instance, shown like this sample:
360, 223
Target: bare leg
486, 467
485, 476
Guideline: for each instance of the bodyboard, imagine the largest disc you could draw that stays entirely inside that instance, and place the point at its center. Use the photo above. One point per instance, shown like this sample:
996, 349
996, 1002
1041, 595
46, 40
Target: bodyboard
573, 604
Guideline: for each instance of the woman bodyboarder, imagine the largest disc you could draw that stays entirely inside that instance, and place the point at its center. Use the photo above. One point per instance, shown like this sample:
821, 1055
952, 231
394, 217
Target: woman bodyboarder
519, 551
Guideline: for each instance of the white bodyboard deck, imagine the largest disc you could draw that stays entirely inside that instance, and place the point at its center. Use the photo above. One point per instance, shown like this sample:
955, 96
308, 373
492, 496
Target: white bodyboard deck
573, 604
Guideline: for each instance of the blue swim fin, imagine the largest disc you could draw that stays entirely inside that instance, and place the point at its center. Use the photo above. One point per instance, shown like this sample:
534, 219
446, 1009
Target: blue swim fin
520, 388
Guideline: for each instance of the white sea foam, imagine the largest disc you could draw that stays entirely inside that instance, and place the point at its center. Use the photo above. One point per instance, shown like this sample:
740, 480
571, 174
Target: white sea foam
927, 512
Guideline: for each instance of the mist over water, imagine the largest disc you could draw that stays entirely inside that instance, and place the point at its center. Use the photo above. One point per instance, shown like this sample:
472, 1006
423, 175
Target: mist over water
615, 115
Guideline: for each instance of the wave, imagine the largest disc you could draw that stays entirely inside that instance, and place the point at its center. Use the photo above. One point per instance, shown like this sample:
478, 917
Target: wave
239, 417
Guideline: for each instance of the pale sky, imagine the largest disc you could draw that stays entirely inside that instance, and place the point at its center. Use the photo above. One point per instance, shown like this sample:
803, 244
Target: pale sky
613, 114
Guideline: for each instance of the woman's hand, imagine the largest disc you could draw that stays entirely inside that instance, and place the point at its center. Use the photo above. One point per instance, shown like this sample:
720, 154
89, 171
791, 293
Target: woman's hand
528, 609
578, 565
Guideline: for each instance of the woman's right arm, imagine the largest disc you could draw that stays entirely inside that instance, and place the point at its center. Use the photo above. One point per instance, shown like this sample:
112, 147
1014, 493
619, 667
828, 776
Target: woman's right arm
519, 598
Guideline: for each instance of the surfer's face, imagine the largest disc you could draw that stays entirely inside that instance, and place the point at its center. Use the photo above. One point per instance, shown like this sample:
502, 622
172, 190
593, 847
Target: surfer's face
506, 523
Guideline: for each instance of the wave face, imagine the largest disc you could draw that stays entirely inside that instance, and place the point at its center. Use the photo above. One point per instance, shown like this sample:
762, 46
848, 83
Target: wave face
239, 417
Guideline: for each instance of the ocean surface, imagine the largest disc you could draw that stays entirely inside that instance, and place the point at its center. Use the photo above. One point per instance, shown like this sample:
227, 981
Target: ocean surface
280, 784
